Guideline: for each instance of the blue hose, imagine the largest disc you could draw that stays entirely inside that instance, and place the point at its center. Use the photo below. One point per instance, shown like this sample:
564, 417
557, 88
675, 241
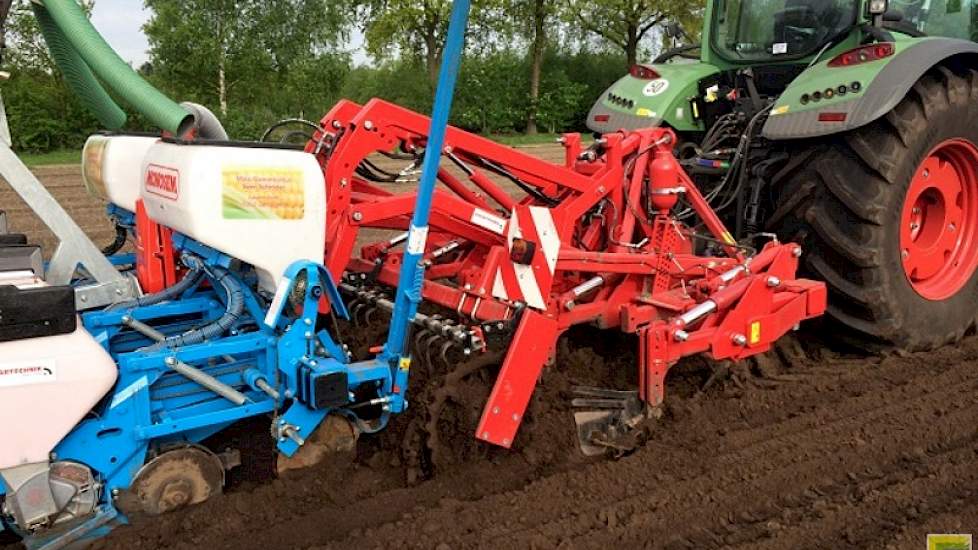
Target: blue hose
164, 295
232, 312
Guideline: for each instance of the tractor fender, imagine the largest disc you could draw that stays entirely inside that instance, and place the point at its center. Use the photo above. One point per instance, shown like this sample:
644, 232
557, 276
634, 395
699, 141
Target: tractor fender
883, 85
632, 103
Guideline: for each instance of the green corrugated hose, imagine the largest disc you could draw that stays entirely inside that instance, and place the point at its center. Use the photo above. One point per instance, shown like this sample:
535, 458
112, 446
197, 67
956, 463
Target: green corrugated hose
77, 74
116, 73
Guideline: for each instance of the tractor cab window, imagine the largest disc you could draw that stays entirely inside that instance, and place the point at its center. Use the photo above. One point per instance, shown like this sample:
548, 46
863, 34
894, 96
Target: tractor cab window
950, 18
770, 30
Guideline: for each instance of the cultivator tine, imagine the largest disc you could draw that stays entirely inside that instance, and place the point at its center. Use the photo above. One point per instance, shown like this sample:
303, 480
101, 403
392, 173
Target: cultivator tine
369, 316
356, 310
443, 354
429, 345
611, 415
418, 340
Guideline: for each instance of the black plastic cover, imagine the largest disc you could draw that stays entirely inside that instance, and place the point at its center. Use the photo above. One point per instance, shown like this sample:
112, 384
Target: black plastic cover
34, 312
331, 391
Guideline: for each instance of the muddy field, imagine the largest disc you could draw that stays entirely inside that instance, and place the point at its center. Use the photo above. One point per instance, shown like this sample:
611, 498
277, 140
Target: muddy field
810, 447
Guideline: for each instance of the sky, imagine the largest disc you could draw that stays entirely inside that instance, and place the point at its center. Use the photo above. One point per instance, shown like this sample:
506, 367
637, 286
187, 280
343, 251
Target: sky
121, 23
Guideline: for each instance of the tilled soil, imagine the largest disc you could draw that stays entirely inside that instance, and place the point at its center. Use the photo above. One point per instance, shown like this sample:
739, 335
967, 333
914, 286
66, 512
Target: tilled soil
807, 448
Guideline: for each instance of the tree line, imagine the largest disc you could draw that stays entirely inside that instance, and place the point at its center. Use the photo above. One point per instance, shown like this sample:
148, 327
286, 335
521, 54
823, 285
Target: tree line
530, 65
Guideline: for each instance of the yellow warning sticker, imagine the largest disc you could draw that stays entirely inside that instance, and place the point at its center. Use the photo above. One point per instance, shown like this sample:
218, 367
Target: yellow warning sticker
405, 364
755, 332
263, 193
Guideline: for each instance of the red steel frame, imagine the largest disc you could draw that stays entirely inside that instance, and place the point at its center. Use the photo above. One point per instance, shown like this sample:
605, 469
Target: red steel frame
612, 210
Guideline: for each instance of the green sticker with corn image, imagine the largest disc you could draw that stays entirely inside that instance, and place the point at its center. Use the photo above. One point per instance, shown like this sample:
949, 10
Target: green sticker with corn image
263, 193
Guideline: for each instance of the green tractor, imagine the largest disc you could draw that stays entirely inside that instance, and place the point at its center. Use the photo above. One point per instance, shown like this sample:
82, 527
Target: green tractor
848, 126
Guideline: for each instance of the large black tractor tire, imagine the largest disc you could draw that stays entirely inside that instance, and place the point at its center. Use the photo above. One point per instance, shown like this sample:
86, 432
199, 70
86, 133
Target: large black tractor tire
846, 198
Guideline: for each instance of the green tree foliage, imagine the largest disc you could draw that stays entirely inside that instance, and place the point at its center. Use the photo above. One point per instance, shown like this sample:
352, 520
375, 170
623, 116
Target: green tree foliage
416, 29
42, 113
625, 24
255, 62
247, 57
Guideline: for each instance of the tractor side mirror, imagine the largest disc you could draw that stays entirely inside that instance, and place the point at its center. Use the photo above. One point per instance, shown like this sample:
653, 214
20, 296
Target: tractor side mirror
674, 30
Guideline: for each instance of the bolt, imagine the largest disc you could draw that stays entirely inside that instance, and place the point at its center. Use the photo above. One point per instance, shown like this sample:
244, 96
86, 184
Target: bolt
797, 252
485, 435
357, 216
495, 410
84, 298
499, 326
905, 254
308, 335
170, 361
118, 292
53, 456
926, 173
739, 339
569, 305
307, 321
915, 210
951, 227
115, 493
516, 417
343, 182
505, 442
681, 336
336, 124
773, 282
468, 286
796, 328
368, 125
914, 226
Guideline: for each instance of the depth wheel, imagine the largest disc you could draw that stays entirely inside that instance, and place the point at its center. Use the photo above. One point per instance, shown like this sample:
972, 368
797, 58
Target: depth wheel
888, 217
176, 479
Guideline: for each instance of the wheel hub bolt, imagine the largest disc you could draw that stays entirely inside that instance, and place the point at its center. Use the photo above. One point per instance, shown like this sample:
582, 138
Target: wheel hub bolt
951, 227
739, 339
773, 282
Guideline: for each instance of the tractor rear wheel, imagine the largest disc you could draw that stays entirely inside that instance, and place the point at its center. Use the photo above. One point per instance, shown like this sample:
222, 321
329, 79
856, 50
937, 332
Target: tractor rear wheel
888, 217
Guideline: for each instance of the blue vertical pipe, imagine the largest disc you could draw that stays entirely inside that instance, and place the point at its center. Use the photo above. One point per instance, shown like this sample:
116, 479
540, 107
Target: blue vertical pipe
412, 269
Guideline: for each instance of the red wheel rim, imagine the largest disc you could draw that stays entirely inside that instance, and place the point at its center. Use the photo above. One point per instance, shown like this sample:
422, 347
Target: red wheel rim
939, 222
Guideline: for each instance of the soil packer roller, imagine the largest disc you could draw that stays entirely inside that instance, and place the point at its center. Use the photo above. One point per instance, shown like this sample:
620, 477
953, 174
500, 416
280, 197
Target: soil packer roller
115, 369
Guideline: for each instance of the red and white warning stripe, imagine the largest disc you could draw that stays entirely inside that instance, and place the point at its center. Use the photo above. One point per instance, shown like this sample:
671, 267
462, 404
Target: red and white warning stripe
529, 283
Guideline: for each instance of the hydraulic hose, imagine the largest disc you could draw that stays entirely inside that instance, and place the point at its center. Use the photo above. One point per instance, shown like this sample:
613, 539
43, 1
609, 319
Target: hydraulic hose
233, 310
75, 27
190, 280
77, 73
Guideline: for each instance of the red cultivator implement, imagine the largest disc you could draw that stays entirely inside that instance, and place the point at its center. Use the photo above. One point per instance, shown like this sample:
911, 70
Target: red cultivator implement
618, 237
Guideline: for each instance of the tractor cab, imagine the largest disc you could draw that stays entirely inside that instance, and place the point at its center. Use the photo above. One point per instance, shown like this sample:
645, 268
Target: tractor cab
756, 49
